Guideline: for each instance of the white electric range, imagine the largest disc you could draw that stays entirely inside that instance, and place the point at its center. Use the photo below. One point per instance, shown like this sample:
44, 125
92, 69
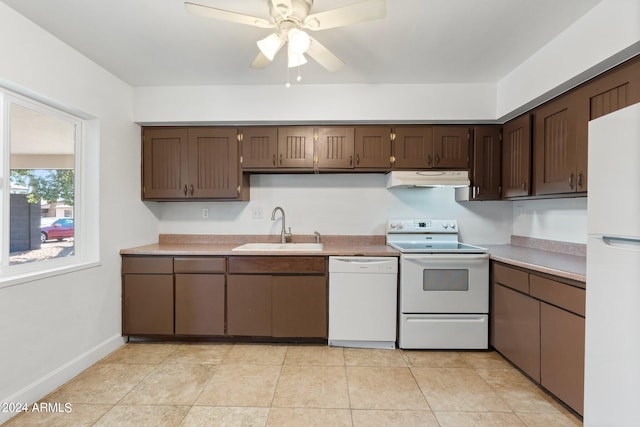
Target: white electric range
444, 286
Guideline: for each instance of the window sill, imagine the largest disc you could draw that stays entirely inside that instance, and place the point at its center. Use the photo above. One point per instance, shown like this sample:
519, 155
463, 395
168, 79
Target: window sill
9, 280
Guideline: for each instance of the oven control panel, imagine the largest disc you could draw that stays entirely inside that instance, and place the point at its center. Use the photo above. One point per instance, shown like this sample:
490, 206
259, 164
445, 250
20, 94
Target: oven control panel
422, 226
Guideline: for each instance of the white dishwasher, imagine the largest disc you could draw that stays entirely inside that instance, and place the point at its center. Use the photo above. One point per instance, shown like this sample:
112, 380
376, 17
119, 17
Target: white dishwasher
363, 295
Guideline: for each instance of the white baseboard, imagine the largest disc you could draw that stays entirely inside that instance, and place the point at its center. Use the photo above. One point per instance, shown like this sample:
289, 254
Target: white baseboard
54, 379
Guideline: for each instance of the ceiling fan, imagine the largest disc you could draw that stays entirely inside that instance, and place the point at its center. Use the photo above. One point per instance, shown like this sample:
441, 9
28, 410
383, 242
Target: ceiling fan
290, 18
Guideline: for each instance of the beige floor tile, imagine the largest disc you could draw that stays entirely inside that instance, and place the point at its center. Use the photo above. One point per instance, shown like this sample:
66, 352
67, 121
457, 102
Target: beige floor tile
201, 354
144, 353
207, 416
103, 383
312, 387
309, 417
384, 388
171, 384
79, 416
518, 392
143, 415
314, 355
550, 420
478, 419
387, 418
485, 360
256, 354
374, 357
241, 385
457, 389
434, 359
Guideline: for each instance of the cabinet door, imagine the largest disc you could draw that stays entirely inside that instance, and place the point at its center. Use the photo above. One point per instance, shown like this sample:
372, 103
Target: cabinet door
199, 304
165, 163
373, 147
554, 147
451, 147
249, 305
614, 90
299, 306
295, 147
413, 147
515, 328
259, 147
485, 170
516, 157
214, 168
562, 355
334, 147
147, 304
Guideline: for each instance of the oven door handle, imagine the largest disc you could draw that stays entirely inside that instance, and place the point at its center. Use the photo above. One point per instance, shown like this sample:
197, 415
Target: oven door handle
443, 257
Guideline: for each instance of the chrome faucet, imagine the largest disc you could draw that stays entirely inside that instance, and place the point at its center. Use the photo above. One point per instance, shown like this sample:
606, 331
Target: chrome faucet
284, 235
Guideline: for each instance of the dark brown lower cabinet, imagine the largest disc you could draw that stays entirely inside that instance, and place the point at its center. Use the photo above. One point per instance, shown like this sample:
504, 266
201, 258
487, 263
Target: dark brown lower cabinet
537, 322
199, 304
562, 355
516, 328
249, 305
147, 304
299, 306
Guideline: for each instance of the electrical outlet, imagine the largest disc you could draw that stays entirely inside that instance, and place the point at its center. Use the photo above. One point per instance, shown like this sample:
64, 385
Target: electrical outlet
256, 212
205, 213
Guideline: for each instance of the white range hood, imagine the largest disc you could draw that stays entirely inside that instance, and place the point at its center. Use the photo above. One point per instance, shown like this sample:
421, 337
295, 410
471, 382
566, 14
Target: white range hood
427, 179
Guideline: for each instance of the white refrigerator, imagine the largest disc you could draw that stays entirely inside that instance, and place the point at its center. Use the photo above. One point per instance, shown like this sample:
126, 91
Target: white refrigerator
612, 347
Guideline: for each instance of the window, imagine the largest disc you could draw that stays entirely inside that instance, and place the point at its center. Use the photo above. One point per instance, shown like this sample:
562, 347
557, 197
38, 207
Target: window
41, 178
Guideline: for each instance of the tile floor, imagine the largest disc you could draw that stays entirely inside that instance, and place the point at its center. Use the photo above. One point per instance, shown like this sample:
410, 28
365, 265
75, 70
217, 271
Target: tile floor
171, 384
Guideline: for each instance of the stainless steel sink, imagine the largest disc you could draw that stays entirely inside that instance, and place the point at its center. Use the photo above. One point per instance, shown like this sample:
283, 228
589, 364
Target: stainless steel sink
301, 247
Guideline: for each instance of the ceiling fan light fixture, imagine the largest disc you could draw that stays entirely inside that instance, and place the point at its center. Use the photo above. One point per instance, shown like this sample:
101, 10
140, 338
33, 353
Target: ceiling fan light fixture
299, 41
296, 59
270, 45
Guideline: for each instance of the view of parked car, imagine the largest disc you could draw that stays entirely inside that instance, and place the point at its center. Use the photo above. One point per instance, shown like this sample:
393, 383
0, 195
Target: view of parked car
61, 228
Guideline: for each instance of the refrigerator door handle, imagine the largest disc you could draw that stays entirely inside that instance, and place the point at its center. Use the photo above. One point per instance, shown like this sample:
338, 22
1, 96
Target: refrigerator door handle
622, 242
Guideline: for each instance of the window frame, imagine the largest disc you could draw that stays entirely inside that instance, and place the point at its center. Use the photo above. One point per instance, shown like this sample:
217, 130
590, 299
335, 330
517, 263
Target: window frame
11, 275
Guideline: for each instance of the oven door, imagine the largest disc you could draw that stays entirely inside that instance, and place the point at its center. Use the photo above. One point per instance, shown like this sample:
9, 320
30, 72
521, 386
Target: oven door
444, 283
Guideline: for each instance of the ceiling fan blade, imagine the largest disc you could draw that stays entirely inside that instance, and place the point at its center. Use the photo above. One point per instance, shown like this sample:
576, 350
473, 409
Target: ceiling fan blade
367, 10
260, 62
324, 56
284, 8
225, 15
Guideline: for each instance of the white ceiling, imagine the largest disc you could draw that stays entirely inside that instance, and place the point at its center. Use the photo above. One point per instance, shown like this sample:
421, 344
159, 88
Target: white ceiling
157, 43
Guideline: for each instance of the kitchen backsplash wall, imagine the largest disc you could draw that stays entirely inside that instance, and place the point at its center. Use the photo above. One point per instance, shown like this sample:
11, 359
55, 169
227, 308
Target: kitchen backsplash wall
553, 219
357, 204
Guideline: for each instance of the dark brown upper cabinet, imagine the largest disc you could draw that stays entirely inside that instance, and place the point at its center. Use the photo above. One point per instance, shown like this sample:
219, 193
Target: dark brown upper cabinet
334, 147
259, 147
191, 163
555, 148
295, 147
451, 147
516, 157
412, 147
485, 166
373, 147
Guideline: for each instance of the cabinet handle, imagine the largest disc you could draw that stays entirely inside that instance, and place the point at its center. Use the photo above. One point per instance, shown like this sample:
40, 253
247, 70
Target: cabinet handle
477, 191
191, 189
280, 159
392, 159
437, 159
274, 160
357, 159
185, 189
580, 180
429, 160
571, 181
351, 160
524, 186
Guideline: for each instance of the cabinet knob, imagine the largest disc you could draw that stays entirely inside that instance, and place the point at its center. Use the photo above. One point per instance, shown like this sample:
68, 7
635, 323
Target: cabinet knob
185, 189
392, 159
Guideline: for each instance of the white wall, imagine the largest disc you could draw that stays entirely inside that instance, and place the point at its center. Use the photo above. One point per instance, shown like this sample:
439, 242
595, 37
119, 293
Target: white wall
53, 328
336, 204
607, 34
553, 219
